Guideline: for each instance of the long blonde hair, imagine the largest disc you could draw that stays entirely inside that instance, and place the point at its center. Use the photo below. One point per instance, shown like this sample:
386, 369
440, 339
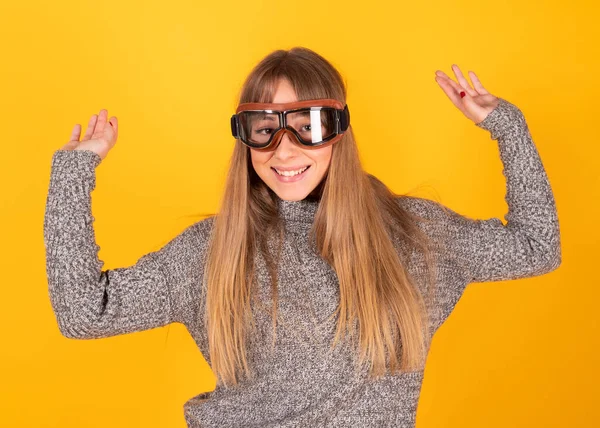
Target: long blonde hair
356, 223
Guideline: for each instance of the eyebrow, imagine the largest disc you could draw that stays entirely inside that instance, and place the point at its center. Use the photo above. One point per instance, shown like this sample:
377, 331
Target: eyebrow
273, 119
302, 113
265, 117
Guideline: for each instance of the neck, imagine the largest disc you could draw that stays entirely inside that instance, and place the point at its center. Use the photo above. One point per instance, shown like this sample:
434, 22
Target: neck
298, 212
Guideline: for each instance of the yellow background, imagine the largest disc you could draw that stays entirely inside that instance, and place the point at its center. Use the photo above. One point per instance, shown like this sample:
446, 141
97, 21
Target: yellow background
513, 354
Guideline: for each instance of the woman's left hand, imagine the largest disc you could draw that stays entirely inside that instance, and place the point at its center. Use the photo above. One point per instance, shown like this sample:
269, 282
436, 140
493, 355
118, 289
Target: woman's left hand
476, 104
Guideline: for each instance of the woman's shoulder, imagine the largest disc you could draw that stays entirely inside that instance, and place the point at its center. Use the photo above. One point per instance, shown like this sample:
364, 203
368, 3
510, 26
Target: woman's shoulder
434, 216
198, 231
204, 226
422, 207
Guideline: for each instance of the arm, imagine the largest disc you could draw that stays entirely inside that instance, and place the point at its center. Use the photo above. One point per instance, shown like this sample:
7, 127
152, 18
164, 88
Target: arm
529, 244
160, 288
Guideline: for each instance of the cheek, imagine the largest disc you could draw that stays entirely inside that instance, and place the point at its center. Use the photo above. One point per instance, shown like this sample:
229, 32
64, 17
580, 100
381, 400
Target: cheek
258, 159
324, 158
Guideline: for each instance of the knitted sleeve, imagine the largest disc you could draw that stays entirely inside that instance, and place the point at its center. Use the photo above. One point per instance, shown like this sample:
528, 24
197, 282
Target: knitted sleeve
88, 302
529, 243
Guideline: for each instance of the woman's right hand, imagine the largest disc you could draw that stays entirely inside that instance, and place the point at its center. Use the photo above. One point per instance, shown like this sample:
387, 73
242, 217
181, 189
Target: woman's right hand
100, 136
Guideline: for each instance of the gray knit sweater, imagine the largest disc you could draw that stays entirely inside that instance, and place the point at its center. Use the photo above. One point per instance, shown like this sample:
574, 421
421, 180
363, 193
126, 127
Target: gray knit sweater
299, 383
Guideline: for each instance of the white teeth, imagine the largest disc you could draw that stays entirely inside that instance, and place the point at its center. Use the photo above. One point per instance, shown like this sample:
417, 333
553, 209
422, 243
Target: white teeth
291, 173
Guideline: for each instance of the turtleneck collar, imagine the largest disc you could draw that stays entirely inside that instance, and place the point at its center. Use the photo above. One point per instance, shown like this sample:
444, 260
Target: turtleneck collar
302, 211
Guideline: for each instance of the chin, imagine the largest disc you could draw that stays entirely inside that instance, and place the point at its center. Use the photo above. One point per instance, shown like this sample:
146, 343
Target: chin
292, 194
298, 194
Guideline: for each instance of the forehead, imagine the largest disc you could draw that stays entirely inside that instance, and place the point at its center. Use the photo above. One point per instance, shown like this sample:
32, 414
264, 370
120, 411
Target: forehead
284, 92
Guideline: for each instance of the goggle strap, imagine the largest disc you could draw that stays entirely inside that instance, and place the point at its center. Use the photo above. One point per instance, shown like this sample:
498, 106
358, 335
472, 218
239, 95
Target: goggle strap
344, 119
234, 126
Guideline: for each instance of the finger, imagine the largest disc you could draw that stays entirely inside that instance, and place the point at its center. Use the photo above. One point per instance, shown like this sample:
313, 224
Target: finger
114, 123
450, 81
451, 89
463, 82
100, 124
75, 133
110, 131
90, 129
477, 84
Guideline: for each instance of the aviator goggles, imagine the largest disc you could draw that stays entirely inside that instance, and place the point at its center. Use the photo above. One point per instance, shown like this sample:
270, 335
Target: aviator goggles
313, 123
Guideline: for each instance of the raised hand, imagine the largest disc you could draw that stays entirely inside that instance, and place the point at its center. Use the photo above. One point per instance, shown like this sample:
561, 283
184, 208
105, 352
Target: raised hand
100, 136
476, 103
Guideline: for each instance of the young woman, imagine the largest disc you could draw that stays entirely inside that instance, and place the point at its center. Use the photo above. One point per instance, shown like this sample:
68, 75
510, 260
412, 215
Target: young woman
315, 291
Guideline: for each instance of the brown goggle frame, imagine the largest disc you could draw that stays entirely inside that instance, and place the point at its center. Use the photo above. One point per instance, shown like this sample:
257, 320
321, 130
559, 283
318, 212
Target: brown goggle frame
342, 121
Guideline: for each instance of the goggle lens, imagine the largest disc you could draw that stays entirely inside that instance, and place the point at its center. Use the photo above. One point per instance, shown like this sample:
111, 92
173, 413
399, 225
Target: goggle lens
311, 125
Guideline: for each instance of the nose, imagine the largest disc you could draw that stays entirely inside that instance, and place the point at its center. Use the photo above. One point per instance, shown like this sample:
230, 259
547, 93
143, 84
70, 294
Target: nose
287, 145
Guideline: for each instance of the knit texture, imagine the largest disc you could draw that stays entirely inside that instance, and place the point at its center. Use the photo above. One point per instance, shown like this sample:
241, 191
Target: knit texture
300, 382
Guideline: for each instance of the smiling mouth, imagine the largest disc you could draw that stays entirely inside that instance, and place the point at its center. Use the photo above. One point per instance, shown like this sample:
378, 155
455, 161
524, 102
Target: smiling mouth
291, 173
